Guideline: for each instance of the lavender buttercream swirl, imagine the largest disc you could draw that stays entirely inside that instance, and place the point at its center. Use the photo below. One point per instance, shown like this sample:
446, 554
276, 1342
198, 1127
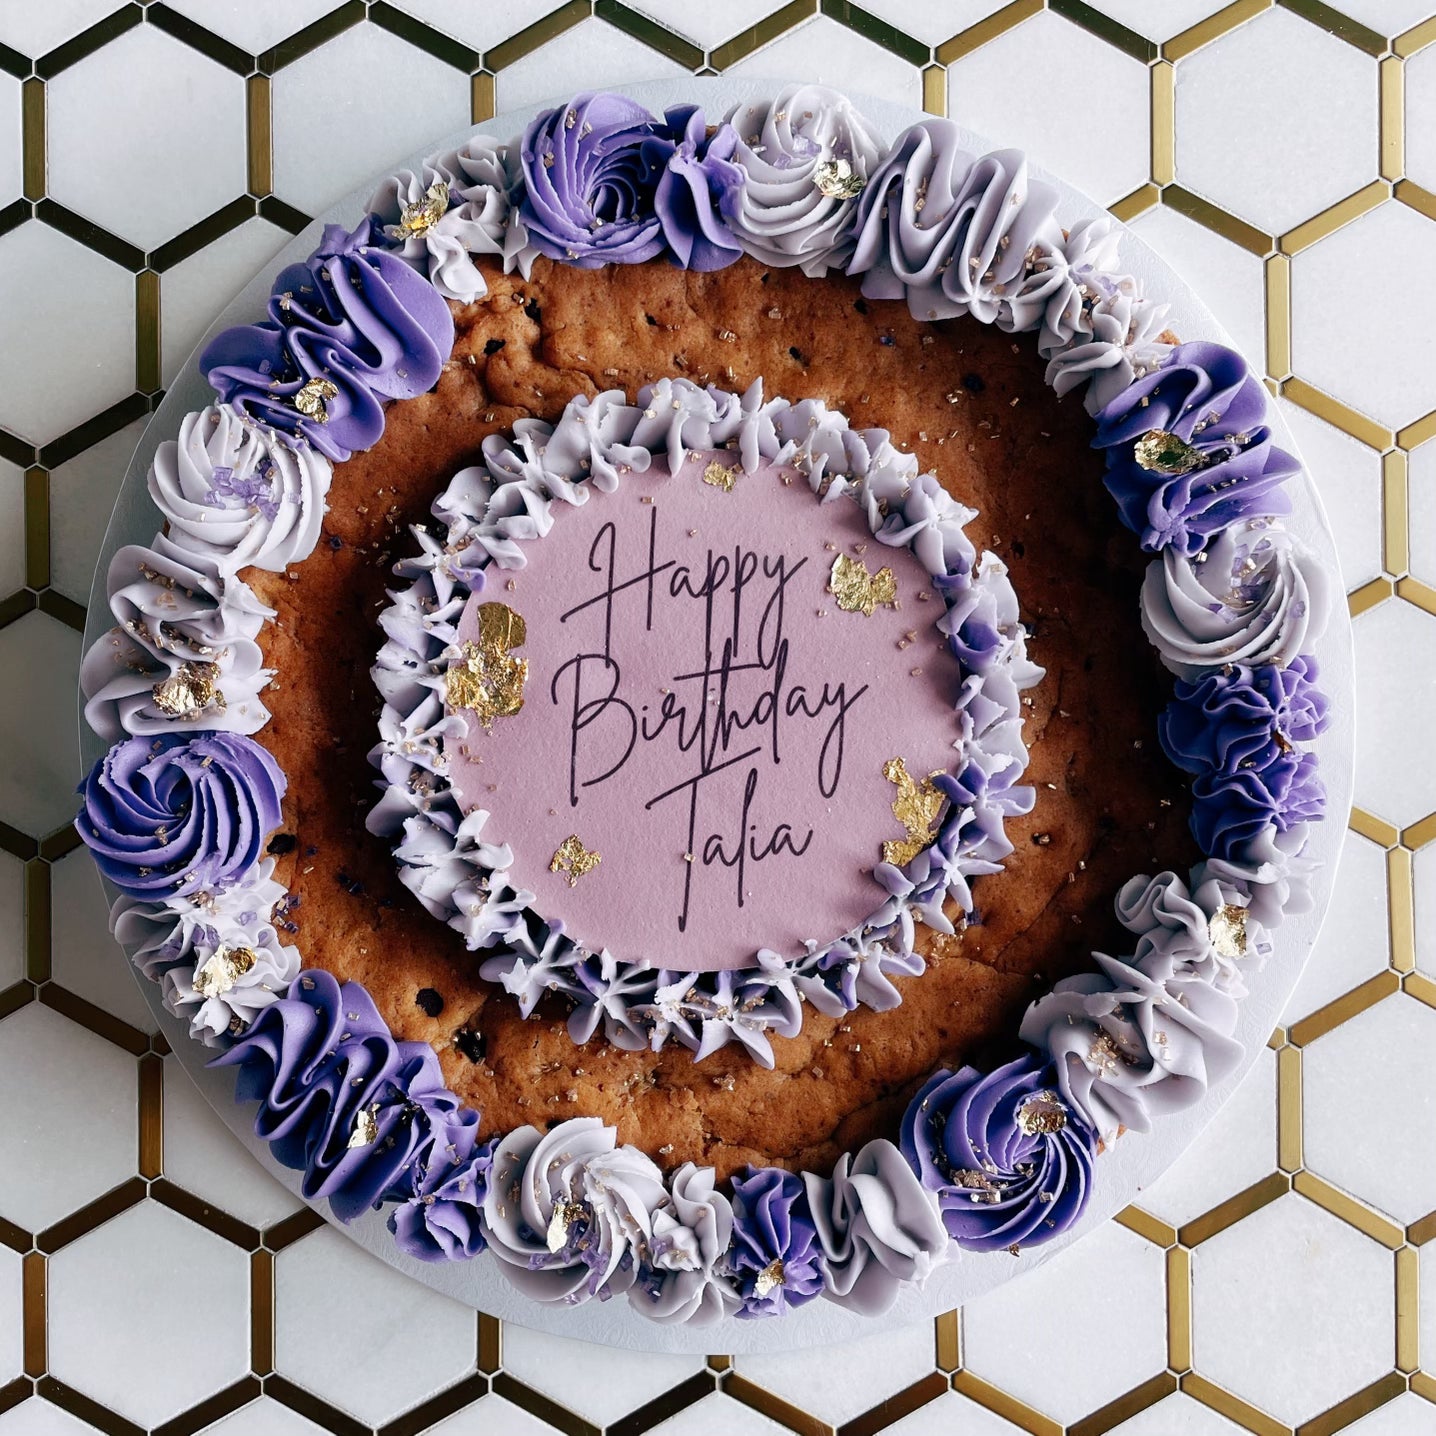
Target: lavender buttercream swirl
237, 970
182, 655
681, 1280
1118, 338
174, 815
774, 1257
348, 328
438, 1197
236, 495
1008, 1161
806, 155
699, 191
1254, 596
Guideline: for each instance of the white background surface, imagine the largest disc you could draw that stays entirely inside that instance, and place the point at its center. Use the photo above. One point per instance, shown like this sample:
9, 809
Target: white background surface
1299, 1300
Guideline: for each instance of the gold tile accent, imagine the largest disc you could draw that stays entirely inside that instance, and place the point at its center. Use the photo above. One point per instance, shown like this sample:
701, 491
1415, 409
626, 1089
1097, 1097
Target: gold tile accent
1206, 214
1230, 1212
1419, 986
1288, 1109
1164, 122
1143, 198
976, 36
481, 97
259, 135
1391, 77
147, 331
1364, 599
37, 920
261, 1312
934, 89
948, 1333
1340, 214
1409, 193
1416, 434
1395, 512
1418, 593
1416, 39
34, 1315
150, 1162
1104, 27
1232, 1407
1001, 1403
37, 526
1339, 415
764, 32
767, 1404
1408, 1310
1126, 1406
1344, 1008
1276, 273
1419, 834
1146, 1226
1335, 23
1213, 28
32, 138
1179, 1309
1378, 830
1401, 920
1354, 1407
490, 1343
1348, 1209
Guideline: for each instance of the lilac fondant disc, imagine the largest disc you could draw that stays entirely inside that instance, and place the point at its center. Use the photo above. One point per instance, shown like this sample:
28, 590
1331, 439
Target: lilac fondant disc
701, 713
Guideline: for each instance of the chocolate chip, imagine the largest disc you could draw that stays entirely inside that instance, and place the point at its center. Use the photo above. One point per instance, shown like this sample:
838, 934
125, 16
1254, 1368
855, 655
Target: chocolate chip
861, 305
973, 383
796, 353
651, 320
282, 843
471, 1044
533, 311
492, 346
430, 1001
335, 542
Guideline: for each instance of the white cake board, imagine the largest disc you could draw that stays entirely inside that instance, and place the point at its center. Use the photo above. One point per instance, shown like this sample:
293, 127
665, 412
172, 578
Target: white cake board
1136, 1161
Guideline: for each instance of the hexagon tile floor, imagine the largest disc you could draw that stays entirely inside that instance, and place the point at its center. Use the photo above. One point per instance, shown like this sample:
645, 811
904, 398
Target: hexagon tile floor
1282, 153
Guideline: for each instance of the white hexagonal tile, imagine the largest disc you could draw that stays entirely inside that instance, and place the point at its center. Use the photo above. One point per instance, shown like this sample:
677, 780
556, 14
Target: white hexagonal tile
148, 1271
38, 1418
1367, 1087
952, 1415
482, 24
347, 111
1292, 1309
12, 527
598, 1383
65, 1070
84, 958
1395, 698
491, 1416
12, 1300
567, 64
1276, 121
12, 920
414, 1341
78, 337
37, 723
1407, 1415
1394, 381
197, 288
1121, 1279
10, 168
874, 1369
35, 30
264, 1417
1421, 118
1233, 1152
133, 91
827, 53
1354, 944
255, 25
1348, 477
1423, 867
1177, 1415
1421, 521
1227, 277
204, 1157
1387, 17
82, 497
1065, 70
718, 1413
1160, 22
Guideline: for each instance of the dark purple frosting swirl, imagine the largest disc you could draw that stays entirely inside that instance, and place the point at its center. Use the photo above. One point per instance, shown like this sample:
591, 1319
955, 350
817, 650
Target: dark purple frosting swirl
1234, 728
339, 1099
700, 190
1205, 396
589, 181
439, 1195
180, 813
352, 314
775, 1256
1009, 1162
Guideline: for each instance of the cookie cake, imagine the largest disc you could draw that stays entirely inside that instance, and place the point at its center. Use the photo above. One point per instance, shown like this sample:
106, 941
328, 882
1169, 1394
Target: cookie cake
717, 709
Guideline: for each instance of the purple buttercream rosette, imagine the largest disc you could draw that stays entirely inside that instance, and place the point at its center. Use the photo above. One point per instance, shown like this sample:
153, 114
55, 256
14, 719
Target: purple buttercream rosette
350, 327
440, 1193
1235, 730
178, 813
1189, 452
775, 1257
1009, 1162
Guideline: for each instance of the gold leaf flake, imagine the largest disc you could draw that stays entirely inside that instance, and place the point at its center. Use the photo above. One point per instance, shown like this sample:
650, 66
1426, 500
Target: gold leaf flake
837, 179
421, 216
312, 398
769, 1277
573, 860
1227, 929
220, 971
1042, 1115
1165, 453
366, 1126
917, 807
720, 476
857, 590
565, 1214
487, 680
189, 691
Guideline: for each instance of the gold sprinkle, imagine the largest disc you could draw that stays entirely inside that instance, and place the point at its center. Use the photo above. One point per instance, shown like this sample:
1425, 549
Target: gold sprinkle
219, 972
1165, 453
421, 216
574, 860
769, 1277
189, 691
1227, 929
565, 1214
488, 680
837, 179
1042, 1115
917, 807
720, 476
857, 590
366, 1126
312, 398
